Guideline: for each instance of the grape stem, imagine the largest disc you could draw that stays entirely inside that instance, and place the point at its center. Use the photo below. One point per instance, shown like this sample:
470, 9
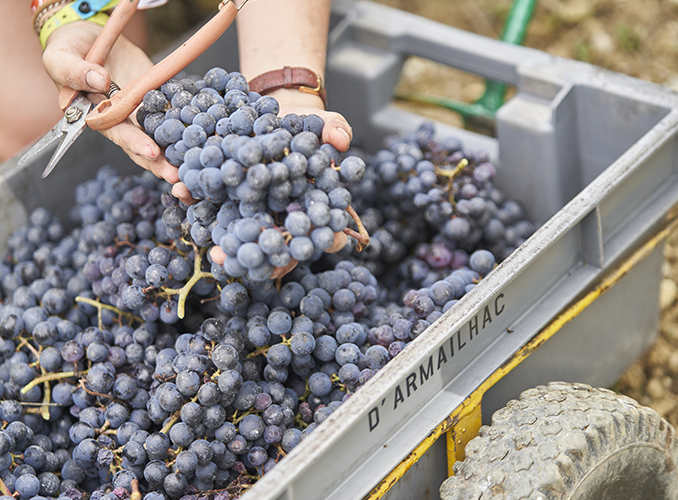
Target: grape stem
453, 173
25, 403
198, 274
260, 350
240, 417
44, 409
24, 342
209, 299
95, 303
173, 420
94, 393
103, 428
307, 393
300, 422
48, 377
175, 417
136, 495
362, 236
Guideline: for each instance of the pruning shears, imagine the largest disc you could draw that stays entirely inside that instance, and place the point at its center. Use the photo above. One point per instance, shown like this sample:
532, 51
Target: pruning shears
80, 112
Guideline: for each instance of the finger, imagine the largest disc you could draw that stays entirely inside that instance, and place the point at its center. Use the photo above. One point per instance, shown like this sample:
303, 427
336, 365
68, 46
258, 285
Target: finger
131, 138
181, 192
340, 240
279, 272
338, 133
133, 141
217, 255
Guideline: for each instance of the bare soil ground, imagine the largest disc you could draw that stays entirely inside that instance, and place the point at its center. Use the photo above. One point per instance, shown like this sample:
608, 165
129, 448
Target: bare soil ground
635, 37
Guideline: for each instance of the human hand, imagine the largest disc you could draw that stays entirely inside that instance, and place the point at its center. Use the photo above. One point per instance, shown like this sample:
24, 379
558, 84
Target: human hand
64, 61
336, 132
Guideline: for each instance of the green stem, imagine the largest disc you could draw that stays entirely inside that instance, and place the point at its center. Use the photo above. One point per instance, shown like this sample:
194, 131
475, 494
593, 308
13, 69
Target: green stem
175, 417
45, 401
452, 174
248, 412
198, 274
100, 306
173, 420
261, 350
48, 377
24, 342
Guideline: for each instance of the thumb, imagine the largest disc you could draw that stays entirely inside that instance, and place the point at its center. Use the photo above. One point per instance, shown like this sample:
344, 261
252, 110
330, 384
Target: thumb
69, 69
338, 133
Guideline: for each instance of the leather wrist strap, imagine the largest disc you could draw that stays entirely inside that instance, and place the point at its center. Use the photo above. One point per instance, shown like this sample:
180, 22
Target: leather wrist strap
302, 79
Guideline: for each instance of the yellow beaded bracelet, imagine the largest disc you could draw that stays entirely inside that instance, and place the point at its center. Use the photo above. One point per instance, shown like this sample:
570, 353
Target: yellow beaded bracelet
67, 15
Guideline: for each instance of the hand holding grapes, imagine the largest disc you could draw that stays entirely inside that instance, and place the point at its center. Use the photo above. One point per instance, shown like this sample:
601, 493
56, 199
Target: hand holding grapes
64, 61
336, 131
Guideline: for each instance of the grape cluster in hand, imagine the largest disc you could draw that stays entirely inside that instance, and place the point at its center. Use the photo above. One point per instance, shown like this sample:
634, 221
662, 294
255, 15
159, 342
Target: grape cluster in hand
271, 194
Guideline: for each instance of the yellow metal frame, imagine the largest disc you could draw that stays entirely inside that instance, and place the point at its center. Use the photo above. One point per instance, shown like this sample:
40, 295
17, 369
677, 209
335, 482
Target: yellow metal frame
465, 421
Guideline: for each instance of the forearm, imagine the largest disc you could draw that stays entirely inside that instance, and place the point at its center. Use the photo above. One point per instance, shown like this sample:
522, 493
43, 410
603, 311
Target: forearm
277, 33
273, 34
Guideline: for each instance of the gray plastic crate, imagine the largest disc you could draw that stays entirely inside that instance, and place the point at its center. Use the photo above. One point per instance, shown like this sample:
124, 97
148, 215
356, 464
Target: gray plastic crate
589, 152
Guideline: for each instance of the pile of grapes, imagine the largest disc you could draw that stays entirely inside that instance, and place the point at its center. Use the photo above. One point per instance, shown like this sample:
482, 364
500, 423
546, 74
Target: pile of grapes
136, 366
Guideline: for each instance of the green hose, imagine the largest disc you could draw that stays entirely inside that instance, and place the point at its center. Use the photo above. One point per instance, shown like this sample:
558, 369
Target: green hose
481, 113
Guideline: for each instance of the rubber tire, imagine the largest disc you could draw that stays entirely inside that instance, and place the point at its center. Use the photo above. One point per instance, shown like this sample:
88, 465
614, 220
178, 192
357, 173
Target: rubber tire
569, 441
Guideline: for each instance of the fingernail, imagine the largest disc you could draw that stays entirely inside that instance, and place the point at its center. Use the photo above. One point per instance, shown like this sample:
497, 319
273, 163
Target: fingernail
150, 154
345, 134
95, 80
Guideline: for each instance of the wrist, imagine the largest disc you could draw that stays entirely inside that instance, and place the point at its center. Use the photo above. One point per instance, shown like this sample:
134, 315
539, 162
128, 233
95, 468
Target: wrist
295, 98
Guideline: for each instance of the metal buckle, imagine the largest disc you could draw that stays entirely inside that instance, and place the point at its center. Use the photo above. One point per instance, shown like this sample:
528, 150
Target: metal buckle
316, 90
88, 8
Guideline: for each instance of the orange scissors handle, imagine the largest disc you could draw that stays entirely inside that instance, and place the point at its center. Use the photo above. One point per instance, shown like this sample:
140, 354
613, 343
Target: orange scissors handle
102, 46
115, 110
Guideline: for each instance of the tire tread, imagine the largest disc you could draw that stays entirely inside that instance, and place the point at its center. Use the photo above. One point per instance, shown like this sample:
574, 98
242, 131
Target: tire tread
543, 444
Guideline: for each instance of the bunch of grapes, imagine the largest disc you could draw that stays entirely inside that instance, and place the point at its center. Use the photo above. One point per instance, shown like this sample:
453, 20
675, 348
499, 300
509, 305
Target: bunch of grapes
112, 402
428, 205
271, 194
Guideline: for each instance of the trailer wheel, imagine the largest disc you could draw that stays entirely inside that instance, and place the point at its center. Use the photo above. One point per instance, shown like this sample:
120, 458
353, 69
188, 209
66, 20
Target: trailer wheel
569, 441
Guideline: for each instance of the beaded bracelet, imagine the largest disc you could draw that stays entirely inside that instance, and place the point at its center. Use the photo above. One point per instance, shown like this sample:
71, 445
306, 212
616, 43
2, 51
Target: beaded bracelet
88, 10
41, 16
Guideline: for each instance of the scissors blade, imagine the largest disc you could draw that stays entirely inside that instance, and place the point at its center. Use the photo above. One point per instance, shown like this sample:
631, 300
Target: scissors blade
66, 142
50, 138
71, 130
